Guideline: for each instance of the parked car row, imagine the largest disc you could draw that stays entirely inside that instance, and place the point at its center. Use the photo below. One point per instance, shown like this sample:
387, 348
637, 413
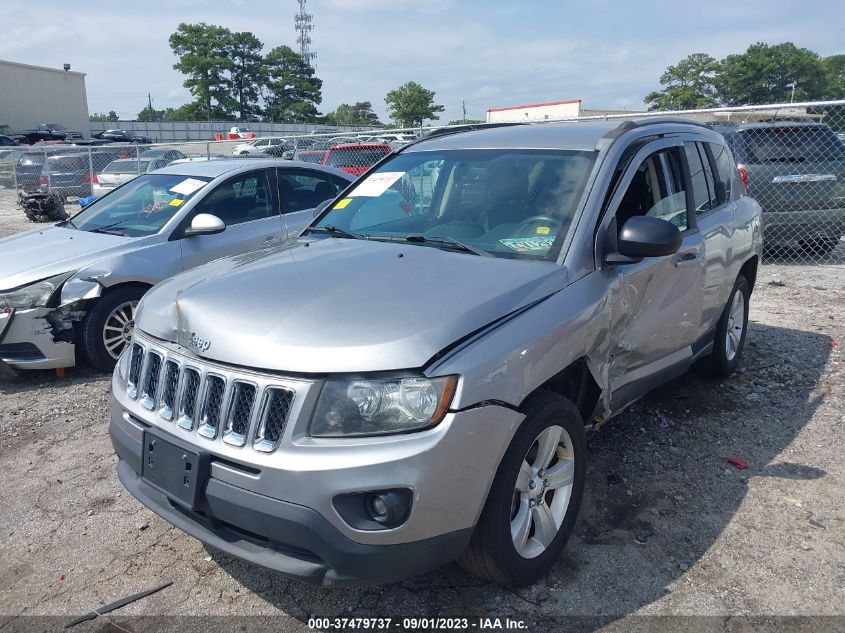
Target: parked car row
427, 348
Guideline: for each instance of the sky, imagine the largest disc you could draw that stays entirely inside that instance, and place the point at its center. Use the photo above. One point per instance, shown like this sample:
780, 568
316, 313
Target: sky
489, 53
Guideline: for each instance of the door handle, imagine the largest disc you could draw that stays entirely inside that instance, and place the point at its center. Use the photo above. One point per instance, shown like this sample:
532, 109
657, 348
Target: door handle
687, 258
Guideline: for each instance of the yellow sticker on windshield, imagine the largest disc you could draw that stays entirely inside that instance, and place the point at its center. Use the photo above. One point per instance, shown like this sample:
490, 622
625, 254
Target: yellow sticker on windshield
543, 230
342, 204
176, 202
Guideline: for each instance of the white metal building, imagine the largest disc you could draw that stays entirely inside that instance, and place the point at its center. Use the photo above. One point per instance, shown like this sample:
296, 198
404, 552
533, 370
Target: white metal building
554, 111
30, 95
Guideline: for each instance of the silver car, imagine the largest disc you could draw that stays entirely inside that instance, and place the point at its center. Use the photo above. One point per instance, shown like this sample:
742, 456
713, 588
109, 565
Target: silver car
74, 286
411, 380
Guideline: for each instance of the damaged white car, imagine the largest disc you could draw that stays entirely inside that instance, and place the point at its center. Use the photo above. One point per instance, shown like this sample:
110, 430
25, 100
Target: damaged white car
73, 287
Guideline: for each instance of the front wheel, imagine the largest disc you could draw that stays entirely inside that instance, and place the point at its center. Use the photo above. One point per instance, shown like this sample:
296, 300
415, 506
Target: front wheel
108, 327
535, 496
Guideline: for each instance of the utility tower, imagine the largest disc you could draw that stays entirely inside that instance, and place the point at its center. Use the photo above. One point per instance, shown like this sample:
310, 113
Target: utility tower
304, 24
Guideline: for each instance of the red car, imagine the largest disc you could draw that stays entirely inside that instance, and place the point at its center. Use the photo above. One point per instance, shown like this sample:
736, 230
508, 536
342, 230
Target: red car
356, 158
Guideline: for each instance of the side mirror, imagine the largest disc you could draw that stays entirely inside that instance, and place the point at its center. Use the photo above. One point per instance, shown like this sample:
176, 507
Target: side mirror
645, 236
205, 224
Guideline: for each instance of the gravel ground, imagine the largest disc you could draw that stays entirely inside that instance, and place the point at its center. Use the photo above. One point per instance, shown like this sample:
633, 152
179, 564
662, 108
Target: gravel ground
668, 527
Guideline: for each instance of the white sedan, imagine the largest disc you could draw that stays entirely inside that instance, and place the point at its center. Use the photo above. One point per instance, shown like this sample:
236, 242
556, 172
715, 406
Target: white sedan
256, 147
120, 171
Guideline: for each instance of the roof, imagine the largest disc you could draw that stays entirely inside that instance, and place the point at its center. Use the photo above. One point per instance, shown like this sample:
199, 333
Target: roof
534, 105
566, 135
572, 135
45, 68
215, 168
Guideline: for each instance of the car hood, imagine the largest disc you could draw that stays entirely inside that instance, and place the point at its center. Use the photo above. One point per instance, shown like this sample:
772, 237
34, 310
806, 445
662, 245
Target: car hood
340, 305
34, 255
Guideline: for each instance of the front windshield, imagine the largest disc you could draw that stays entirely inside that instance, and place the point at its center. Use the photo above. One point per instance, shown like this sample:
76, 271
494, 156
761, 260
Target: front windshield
140, 207
510, 203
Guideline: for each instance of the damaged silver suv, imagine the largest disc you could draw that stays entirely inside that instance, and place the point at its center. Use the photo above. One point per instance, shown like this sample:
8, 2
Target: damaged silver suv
410, 380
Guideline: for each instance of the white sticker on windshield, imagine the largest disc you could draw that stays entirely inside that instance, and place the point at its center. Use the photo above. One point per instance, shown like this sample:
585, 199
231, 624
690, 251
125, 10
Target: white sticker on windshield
188, 186
522, 244
376, 184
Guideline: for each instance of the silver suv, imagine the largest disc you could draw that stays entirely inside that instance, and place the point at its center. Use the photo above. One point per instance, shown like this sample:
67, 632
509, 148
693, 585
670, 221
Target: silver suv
410, 380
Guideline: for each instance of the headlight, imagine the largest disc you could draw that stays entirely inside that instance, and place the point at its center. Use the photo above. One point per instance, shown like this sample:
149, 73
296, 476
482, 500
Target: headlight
381, 406
35, 295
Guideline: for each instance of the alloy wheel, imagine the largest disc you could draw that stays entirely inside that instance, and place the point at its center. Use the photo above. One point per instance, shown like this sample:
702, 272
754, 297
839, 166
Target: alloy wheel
736, 326
542, 492
118, 328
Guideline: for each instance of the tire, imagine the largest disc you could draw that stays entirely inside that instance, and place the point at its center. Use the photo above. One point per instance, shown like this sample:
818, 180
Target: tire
724, 360
110, 311
492, 553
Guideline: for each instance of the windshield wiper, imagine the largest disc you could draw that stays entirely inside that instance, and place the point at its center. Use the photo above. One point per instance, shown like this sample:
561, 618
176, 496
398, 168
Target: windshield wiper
450, 242
107, 228
336, 231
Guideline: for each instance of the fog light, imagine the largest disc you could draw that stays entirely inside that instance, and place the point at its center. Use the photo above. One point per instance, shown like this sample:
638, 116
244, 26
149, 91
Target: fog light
379, 506
376, 509
390, 508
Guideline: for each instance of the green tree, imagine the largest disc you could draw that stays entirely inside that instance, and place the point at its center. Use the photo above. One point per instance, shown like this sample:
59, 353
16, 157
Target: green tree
150, 114
203, 51
247, 73
193, 111
687, 85
834, 69
100, 116
361, 113
410, 104
291, 91
770, 74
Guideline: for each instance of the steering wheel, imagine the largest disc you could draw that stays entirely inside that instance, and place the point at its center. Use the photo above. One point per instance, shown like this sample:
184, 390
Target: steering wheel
539, 219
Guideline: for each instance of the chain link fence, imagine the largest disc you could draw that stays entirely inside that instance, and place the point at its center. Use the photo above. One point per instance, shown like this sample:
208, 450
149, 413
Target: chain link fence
791, 158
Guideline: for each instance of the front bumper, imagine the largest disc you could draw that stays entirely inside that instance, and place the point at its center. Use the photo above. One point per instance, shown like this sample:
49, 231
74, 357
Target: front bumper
276, 510
27, 341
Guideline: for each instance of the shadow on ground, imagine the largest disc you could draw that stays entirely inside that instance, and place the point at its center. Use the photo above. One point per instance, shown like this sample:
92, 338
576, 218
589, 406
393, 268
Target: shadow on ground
659, 493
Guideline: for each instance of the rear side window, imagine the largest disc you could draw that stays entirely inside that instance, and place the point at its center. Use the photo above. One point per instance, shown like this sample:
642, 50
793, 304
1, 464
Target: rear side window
726, 170
302, 190
701, 176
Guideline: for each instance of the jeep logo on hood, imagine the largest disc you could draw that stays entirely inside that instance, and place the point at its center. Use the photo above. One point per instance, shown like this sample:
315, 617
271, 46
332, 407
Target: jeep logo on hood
198, 343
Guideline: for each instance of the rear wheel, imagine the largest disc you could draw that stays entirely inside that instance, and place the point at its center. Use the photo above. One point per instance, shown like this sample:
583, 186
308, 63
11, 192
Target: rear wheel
108, 327
730, 332
535, 496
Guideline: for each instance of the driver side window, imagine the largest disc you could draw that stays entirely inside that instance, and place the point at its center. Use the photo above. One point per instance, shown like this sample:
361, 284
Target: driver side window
656, 189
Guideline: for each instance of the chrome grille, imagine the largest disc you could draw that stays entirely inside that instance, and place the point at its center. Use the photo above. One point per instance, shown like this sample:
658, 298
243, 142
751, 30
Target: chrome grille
239, 413
136, 358
149, 384
188, 398
215, 387
274, 417
168, 389
219, 404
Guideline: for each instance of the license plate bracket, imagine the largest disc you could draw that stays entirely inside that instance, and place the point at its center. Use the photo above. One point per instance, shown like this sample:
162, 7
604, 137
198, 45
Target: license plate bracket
178, 471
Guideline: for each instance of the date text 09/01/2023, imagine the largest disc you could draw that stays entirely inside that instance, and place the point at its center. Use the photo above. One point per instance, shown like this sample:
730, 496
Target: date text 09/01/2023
411, 624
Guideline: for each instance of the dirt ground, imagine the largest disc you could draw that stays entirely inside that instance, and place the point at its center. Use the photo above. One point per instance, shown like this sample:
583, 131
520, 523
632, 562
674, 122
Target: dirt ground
668, 527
